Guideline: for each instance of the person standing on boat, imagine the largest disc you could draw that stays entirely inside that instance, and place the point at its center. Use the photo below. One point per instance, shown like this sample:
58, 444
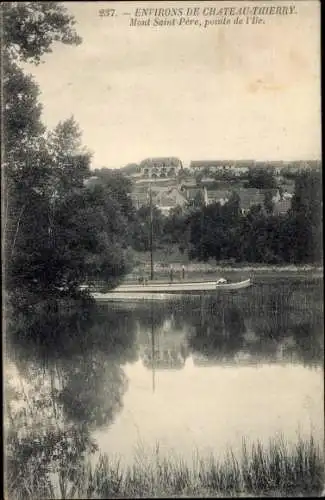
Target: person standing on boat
183, 272
171, 273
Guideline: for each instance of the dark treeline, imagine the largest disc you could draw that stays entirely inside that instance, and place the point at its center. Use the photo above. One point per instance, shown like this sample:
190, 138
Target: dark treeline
223, 233
57, 231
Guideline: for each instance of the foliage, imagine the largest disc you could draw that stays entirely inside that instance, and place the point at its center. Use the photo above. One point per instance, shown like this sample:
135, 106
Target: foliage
68, 380
144, 224
261, 178
31, 28
306, 216
57, 232
222, 232
268, 201
277, 469
118, 187
174, 226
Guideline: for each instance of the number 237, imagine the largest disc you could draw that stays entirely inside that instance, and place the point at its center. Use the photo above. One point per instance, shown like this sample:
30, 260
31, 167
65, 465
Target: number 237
106, 12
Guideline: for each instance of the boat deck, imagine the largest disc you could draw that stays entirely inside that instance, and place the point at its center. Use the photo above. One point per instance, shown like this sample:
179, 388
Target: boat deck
165, 290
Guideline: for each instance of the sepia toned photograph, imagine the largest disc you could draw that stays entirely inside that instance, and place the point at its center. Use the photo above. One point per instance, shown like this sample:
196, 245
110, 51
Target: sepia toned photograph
162, 255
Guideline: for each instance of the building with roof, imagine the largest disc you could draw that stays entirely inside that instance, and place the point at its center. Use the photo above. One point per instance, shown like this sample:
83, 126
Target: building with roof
191, 191
288, 189
249, 197
154, 168
236, 168
163, 197
286, 195
282, 207
168, 198
216, 196
139, 198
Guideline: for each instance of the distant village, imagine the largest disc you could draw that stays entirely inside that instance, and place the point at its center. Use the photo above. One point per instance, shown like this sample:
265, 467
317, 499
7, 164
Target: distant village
172, 185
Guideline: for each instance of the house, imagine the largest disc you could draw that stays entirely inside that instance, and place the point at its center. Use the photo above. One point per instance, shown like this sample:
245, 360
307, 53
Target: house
288, 190
160, 167
209, 166
168, 198
286, 195
282, 207
248, 197
140, 197
201, 166
192, 192
236, 168
216, 196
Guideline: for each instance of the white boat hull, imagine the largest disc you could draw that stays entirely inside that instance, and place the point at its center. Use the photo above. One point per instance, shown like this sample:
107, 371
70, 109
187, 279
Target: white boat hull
166, 290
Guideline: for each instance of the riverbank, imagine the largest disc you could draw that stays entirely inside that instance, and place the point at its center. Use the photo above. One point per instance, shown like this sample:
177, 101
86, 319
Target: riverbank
163, 261
275, 470
206, 271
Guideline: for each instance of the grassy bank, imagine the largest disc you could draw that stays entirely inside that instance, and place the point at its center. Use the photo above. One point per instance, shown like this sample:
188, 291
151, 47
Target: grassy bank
278, 470
198, 272
164, 259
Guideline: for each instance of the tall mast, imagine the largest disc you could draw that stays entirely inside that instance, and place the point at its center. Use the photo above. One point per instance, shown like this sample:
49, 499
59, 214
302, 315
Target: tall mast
153, 349
151, 234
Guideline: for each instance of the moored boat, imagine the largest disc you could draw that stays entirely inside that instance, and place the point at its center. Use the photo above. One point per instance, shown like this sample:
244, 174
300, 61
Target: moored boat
164, 290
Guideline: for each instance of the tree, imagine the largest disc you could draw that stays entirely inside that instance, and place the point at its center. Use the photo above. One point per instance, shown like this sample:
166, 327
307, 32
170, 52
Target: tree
142, 228
268, 202
174, 226
306, 216
119, 187
31, 28
56, 232
261, 178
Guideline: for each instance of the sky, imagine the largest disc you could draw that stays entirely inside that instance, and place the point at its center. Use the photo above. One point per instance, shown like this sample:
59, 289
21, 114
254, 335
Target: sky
221, 92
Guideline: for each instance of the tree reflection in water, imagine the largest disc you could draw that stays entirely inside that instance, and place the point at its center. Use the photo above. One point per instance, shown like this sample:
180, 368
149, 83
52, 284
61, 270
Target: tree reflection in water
69, 359
64, 378
267, 324
279, 322
219, 335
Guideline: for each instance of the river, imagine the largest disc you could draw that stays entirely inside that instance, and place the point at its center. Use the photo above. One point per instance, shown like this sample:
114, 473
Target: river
196, 374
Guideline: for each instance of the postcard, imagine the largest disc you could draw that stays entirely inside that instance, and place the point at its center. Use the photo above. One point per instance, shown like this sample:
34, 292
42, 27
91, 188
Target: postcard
162, 249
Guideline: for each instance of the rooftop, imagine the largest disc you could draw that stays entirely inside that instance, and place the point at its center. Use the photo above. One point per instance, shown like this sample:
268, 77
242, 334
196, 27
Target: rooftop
168, 160
282, 207
217, 194
249, 197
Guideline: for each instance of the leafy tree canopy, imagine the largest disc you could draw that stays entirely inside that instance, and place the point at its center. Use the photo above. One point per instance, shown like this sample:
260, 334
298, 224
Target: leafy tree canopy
31, 28
57, 234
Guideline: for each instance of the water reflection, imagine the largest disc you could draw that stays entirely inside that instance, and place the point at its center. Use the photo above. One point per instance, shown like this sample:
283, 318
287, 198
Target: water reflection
64, 378
70, 366
232, 328
164, 344
81, 351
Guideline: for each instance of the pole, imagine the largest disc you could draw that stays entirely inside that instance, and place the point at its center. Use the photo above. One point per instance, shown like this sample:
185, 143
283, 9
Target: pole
153, 349
151, 235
